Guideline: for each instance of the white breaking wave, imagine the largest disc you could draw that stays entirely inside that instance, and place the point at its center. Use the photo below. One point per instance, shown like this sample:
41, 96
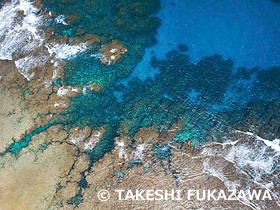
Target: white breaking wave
61, 19
275, 144
21, 39
252, 153
17, 36
65, 51
254, 157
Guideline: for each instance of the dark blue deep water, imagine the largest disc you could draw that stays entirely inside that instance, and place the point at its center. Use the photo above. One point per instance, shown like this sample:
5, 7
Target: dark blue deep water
245, 31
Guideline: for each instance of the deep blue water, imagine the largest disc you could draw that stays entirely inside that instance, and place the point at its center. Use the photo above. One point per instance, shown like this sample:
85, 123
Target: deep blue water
247, 31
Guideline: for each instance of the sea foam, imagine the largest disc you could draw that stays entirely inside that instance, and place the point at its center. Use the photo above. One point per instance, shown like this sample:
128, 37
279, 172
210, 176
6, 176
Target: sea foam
252, 156
22, 40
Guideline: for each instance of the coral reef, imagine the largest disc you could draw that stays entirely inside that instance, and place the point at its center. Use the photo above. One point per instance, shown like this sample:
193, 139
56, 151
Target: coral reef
108, 21
111, 52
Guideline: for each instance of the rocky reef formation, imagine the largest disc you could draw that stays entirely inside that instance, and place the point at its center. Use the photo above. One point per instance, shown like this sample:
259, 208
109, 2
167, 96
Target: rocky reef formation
134, 141
111, 52
129, 22
155, 161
